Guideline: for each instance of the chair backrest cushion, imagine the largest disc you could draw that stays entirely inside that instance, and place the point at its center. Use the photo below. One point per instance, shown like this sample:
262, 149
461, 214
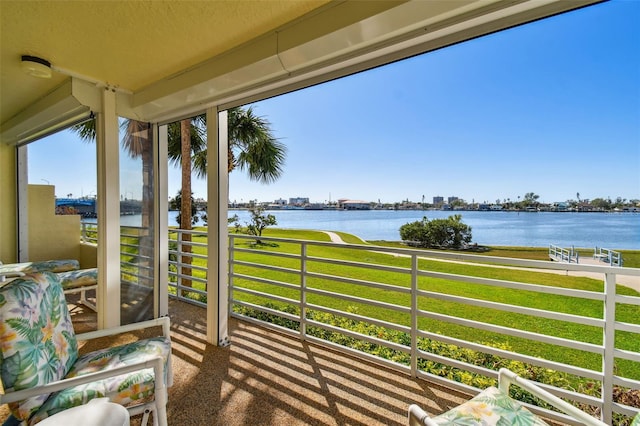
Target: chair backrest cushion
37, 341
491, 407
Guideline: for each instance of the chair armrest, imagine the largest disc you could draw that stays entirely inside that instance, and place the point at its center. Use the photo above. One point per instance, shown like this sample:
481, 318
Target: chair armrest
12, 274
418, 417
507, 377
156, 363
165, 322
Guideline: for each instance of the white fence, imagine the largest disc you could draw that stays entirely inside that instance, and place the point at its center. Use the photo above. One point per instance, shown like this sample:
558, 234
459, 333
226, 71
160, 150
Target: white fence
407, 296
315, 277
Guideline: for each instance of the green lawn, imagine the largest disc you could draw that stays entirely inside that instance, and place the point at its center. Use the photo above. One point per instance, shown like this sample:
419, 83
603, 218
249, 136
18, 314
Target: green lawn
569, 305
401, 279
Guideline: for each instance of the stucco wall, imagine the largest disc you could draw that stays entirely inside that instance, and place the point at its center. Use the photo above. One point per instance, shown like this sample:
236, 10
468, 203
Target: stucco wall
8, 244
51, 236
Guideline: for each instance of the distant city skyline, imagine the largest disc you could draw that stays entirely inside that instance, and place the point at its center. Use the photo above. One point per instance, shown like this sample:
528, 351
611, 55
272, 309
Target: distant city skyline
434, 200
551, 107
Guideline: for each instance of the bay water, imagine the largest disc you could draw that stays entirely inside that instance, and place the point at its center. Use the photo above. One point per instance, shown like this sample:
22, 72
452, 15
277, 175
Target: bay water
617, 231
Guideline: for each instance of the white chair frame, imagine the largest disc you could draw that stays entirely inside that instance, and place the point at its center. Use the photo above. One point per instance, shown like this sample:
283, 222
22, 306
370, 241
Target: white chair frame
418, 417
83, 296
159, 403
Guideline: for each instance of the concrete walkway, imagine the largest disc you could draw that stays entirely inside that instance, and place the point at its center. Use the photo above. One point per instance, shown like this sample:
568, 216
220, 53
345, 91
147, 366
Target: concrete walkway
625, 280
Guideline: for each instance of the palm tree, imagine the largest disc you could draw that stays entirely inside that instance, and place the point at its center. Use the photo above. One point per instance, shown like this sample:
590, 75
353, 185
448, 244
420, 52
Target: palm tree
252, 147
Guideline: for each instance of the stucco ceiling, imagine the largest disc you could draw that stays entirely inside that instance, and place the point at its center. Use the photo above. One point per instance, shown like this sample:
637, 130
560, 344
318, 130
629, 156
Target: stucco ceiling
129, 44
162, 55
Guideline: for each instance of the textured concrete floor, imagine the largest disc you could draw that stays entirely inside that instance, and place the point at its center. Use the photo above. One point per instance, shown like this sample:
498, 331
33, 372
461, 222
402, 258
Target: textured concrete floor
266, 378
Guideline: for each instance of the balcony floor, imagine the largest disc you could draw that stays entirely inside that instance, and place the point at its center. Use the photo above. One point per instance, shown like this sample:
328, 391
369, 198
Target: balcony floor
267, 378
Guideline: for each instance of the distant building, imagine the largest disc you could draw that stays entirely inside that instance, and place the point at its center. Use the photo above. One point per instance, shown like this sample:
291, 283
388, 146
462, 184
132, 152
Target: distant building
451, 200
561, 206
280, 202
438, 200
354, 205
298, 201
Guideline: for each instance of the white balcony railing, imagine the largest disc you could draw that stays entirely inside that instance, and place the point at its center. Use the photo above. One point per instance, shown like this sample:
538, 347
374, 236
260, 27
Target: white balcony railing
313, 268
188, 268
296, 281
136, 252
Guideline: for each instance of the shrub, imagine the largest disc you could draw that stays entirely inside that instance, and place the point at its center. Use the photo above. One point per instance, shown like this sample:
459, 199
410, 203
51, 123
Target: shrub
441, 233
540, 374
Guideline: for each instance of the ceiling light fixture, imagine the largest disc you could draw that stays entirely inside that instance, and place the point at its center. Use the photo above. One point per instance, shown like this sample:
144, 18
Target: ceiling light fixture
36, 67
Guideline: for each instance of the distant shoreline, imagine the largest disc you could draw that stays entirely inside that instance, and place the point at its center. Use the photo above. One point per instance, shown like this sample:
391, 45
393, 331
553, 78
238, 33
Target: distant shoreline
441, 210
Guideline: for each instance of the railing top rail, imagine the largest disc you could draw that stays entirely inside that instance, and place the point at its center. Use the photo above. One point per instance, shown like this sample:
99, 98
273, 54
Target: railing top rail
188, 231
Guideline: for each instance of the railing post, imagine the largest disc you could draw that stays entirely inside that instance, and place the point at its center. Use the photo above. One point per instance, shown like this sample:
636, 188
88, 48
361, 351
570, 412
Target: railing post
303, 290
231, 258
608, 339
414, 315
83, 232
179, 264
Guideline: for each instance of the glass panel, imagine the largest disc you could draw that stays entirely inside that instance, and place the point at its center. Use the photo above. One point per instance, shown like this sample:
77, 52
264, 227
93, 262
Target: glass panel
59, 222
137, 260
187, 150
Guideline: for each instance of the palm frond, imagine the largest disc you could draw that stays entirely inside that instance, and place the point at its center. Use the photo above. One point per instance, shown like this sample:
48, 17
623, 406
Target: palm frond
137, 137
263, 159
86, 130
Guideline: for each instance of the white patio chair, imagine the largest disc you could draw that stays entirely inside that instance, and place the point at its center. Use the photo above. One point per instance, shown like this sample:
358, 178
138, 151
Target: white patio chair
42, 372
494, 404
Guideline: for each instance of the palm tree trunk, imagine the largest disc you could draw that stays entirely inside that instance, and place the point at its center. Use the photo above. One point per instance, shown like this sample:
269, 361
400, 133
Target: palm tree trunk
185, 207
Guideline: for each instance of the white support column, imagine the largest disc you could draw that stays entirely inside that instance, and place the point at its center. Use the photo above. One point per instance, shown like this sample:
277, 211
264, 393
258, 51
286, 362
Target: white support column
161, 227
108, 297
218, 253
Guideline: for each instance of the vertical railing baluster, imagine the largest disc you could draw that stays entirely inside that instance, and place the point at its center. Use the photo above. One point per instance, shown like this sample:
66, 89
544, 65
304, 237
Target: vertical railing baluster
303, 290
179, 265
609, 346
414, 315
231, 260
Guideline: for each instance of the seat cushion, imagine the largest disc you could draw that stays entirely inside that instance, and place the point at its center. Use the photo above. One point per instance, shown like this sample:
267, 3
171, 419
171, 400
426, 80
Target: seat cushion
490, 407
41, 266
37, 342
78, 278
123, 389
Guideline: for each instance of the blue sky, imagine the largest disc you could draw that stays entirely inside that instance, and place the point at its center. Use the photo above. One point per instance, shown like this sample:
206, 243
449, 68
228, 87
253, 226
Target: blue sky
551, 108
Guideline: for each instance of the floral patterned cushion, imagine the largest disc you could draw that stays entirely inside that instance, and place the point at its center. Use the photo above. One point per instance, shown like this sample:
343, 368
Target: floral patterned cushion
37, 342
122, 389
79, 278
42, 266
490, 407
